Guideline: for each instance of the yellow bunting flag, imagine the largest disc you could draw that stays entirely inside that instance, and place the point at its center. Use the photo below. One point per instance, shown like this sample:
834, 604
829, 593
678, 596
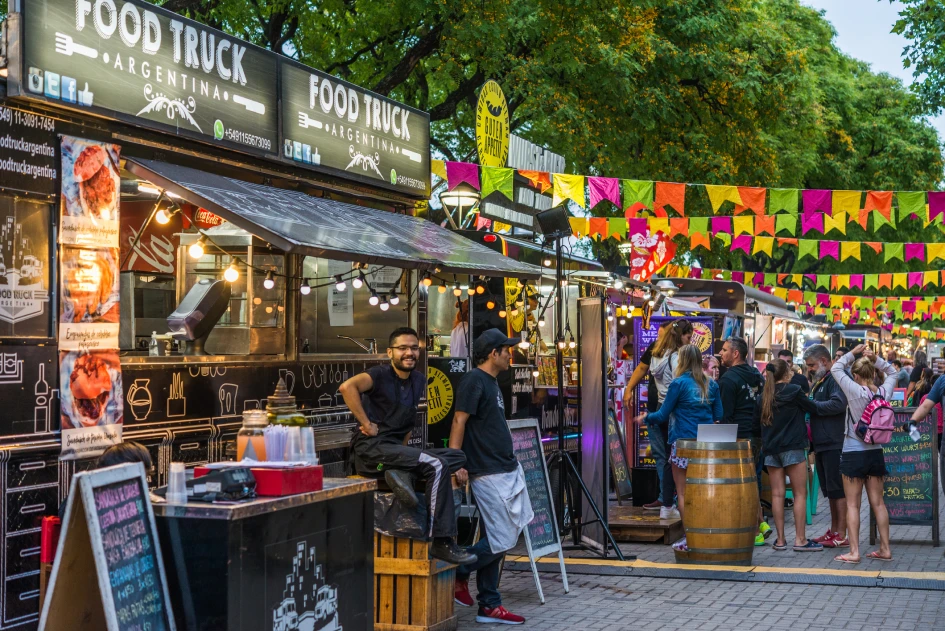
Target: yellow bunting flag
569, 187
763, 244
718, 195
438, 167
849, 249
900, 280
743, 225
578, 226
845, 202
659, 224
935, 251
837, 222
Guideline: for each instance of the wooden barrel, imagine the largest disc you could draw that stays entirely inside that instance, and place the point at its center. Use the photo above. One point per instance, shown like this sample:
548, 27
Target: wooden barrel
721, 503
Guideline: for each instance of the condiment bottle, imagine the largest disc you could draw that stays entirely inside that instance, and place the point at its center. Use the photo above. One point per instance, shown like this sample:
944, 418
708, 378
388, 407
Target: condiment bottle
252, 433
281, 408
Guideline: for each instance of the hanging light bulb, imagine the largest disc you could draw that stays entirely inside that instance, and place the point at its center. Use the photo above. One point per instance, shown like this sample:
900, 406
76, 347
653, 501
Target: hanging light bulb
541, 322
622, 321
547, 262
427, 281
385, 306
232, 273
514, 311
480, 288
196, 249
457, 291
490, 304
502, 313
358, 282
394, 299
519, 283
618, 284
305, 289
340, 284
162, 216
375, 299
561, 343
610, 318
269, 282
442, 288
534, 372
470, 290
571, 342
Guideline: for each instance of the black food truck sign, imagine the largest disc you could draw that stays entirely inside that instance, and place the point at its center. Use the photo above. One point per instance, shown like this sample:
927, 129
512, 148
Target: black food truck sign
133, 61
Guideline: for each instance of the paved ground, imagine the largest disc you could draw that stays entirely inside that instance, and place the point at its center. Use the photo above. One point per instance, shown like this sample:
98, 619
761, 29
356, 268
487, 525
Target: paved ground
632, 603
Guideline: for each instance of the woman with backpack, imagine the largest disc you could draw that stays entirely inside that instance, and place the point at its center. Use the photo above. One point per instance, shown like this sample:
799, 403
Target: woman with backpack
691, 400
784, 437
868, 427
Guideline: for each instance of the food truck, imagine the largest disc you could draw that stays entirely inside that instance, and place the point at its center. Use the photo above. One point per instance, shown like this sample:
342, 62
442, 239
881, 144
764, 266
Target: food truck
186, 220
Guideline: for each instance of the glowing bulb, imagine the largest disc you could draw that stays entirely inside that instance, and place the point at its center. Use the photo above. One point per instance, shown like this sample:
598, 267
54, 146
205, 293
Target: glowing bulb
340, 284
442, 288
490, 304
232, 273
470, 290
257, 301
456, 290
269, 283
561, 344
610, 318
502, 313
268, 309
535, 373
480, 289
623, 321
618, 284
358, 281
541, 322
524, 344
385, 306
426, 280
375, 299
514, 311
394, 299
161, 217
306, 288
547, 262
196, 249
571, 343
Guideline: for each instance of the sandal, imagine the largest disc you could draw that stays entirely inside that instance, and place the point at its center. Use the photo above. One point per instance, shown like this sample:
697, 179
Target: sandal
808, 546
874, 555
779, 547
843, 558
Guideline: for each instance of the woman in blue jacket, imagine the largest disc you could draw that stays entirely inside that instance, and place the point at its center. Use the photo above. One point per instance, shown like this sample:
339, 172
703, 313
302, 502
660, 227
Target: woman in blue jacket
692, 399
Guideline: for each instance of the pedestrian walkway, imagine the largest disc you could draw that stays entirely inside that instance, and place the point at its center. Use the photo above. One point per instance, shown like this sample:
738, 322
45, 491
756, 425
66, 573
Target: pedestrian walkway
645, 603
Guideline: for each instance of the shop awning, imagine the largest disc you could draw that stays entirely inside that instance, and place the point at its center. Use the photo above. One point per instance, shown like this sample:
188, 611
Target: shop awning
298, 223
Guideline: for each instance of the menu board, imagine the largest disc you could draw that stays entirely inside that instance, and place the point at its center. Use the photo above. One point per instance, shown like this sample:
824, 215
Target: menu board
27, 152
618, 459
108, 572
911, 489
526, 443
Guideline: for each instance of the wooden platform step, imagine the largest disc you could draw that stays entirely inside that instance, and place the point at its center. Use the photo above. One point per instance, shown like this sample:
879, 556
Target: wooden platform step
632, 524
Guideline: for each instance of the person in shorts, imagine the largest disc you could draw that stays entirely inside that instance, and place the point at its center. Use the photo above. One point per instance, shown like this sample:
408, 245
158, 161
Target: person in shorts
784, 436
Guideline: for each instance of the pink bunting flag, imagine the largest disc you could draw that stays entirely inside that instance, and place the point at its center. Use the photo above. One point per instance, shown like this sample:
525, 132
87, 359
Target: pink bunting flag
856, 280
818, 200
742, 242
914, 279
908, 307
695, 273
637, 226
936, 204
823, 299
459, 172
758, 279
721, 225
812, 221
915, 251
738, 277
604, 189
830, 249
811, 277
483, 222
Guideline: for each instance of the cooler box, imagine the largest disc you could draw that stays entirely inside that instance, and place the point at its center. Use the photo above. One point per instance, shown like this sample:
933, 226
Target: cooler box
273, 482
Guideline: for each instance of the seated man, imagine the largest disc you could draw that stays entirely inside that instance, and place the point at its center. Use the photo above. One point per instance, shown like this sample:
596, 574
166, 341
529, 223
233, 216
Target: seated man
384, 401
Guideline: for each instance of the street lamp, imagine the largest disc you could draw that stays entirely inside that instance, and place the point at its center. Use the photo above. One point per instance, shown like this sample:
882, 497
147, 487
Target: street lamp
461, 195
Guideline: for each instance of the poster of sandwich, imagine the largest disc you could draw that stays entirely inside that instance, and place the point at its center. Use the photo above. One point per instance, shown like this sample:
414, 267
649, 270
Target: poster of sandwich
91, 187
91, 395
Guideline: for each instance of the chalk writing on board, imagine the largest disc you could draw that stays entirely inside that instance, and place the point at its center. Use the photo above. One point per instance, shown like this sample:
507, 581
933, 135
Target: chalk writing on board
618, 461
530, 454
909, 487
130, 557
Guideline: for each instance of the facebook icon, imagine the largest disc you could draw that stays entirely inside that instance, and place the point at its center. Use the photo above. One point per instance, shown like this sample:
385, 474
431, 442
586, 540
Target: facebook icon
69, 90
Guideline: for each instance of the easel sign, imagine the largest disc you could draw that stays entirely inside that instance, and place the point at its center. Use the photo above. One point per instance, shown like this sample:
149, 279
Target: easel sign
541, 534
108, 573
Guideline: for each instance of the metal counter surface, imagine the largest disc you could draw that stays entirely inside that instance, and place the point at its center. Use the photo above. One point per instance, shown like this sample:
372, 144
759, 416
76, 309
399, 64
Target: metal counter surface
333, 488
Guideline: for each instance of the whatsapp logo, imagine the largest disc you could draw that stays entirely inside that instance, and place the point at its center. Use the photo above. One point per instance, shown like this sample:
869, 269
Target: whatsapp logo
218, 129
393, 176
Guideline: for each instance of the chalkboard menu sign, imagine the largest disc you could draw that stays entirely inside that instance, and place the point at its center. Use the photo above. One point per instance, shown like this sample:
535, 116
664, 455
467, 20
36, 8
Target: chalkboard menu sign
543, 529
618, 458
911, 489
109, 557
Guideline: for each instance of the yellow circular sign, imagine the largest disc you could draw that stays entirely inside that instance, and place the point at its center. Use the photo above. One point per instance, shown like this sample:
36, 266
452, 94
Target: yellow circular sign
439, 395
492, 126
701, 336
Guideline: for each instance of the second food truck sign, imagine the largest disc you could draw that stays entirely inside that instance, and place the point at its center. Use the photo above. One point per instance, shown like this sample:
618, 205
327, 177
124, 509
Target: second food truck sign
135, 62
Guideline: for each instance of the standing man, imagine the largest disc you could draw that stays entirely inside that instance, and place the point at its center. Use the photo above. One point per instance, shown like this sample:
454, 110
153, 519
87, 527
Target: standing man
827, 408
902, 374
796, 378
384, 401
498, 483
740, 387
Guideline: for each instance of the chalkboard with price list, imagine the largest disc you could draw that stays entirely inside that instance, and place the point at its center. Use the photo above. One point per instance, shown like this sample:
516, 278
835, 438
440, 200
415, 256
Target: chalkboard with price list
108, 573
910, 490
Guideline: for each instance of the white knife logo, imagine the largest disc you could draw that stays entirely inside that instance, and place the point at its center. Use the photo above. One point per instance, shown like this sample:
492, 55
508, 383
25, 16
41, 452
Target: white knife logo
249, 104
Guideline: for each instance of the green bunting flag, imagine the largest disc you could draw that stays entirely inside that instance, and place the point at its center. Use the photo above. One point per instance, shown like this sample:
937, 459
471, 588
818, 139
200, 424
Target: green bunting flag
872, 281
786, 222
783, 200
893, 251
498, 179
637, 191
910, 202
807, 247
697, 225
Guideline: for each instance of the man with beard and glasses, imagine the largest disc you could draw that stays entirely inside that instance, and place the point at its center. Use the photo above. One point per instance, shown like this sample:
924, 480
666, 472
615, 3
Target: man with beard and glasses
827, 408
384, 401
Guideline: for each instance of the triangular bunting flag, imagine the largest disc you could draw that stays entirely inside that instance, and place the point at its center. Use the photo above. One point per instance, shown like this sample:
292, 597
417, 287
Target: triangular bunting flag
678, 226
845, 201
787, 222
911, 203
935, 251
763, 244
569, 187
459, 172
783, 200
637, 191
807, 247
812, 221
438, 168
914, 251
877, 246
719, 195
541, 180
881, 202
601, 189
836, 222
893, 251
849, 249
578, 226
498, 179
743, 225
672, 194
764, 224
742, 242
753, 199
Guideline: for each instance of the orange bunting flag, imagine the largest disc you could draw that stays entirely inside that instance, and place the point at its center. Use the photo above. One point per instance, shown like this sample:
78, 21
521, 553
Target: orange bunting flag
885, 281
877, 246
861, 217
791, 241
673, 194
699, 239
753, 199
678, 226
880, 201
598, 226
765, 224
541, 180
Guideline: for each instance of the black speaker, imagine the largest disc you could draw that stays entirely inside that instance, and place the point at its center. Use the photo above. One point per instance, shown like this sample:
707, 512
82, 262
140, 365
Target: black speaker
554, 223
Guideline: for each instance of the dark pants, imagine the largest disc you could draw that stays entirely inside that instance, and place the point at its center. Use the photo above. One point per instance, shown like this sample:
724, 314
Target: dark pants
487, 569
668, 484
432, 469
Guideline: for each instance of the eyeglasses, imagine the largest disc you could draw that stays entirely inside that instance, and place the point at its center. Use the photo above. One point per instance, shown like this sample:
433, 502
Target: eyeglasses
405, 348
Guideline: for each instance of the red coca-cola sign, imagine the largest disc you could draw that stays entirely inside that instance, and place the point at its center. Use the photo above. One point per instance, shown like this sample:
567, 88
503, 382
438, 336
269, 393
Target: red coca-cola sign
205, 219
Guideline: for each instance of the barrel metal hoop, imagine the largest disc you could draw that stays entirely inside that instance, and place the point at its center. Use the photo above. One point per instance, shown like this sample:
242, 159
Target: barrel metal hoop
713, 530
720, 481
689, 444
748, 549
721, 461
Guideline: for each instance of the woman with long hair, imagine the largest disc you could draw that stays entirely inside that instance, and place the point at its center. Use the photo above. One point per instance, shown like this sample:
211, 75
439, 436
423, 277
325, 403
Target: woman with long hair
862, 464
691, 400
784, 437
922, 387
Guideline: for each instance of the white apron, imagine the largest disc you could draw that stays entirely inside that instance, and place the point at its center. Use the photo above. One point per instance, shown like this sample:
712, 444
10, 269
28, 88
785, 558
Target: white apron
504, 505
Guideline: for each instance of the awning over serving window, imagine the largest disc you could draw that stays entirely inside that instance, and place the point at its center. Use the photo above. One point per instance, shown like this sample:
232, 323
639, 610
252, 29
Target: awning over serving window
295, 222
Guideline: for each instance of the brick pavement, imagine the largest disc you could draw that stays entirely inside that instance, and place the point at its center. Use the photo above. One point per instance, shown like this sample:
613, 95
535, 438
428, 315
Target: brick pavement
643, 603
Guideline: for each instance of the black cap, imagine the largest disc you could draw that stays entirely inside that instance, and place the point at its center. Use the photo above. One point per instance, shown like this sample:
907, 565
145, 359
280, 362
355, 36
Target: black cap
490, 340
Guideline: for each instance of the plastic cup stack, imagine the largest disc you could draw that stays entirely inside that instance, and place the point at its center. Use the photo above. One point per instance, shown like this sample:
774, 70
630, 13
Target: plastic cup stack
177, 485
308, 446
293, 446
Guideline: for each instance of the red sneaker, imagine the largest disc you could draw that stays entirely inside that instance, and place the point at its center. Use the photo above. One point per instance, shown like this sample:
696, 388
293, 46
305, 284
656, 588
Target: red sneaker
461, 593
830, 535
839, 543
498, 615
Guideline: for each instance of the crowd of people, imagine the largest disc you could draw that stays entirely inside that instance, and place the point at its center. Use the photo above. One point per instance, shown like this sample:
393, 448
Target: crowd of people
792, 414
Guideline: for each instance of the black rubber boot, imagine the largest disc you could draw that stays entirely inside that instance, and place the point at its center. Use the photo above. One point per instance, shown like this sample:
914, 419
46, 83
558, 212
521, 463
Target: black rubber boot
401, 483
447, 550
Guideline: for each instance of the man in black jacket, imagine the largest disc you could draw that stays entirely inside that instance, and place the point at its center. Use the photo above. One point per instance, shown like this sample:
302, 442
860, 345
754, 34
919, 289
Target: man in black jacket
827, 407
740, 387
796, 378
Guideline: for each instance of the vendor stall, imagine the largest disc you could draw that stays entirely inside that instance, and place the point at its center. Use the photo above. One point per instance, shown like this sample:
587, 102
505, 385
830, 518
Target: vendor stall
159, 185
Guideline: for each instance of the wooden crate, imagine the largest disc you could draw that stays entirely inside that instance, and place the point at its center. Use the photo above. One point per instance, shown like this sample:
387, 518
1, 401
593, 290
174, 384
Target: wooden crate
412, 591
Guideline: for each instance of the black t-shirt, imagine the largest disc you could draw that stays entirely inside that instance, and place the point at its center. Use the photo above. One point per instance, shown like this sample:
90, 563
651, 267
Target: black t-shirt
389, 391
487, 442
917, 373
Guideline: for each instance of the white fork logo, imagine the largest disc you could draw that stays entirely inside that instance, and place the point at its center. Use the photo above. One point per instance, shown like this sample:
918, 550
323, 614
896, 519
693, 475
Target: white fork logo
65, 45
305, 121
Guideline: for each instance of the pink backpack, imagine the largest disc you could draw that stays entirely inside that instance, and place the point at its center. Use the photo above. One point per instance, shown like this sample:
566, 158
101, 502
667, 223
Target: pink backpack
877, 422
